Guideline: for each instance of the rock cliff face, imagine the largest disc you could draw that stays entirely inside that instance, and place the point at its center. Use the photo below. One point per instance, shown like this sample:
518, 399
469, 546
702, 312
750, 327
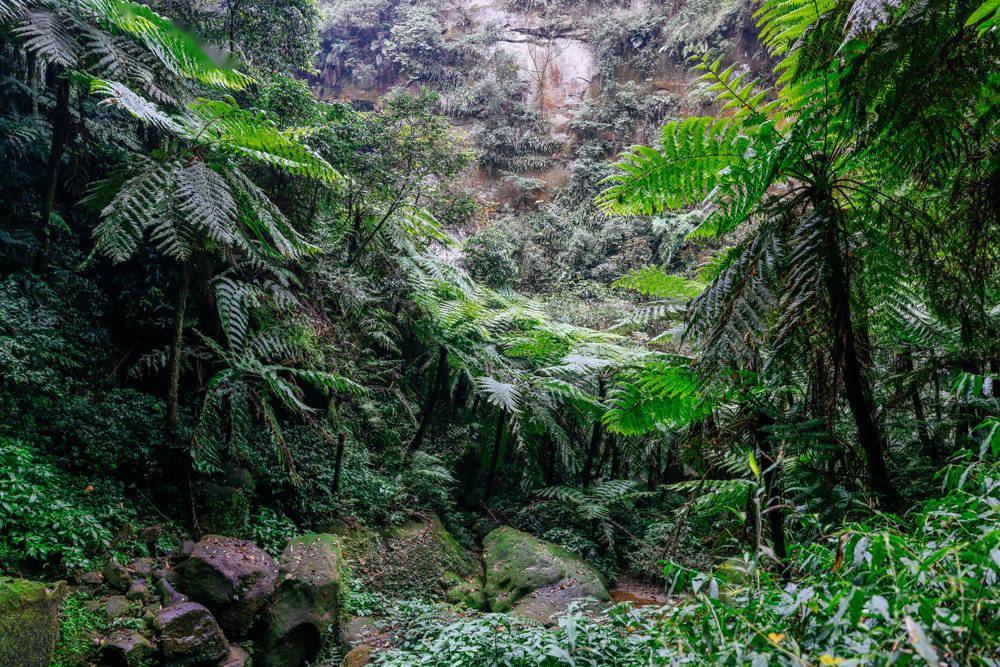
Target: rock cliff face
532, 83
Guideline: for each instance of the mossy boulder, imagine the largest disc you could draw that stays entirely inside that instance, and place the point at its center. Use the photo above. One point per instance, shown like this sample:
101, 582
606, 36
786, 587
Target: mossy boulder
309, 599
417, 559
189, 635
535, 578
29, 621
233, 578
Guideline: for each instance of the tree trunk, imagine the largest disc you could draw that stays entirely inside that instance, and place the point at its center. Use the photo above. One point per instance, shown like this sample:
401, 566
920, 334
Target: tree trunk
440, 374
338, 463
176, 346
549, 460
653, 467
923, 433
772, 487
856, 388
495, 462
616, 457
60, 135
595, 440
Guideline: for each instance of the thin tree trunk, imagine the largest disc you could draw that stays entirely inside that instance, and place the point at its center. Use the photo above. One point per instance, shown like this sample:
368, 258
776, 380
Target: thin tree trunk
856, 387
549, 460
176, 346
616, 457
31, 76
60, 135
923, 433
653, 469
495, 461
338, 463
772, 487
440, 374
595, 440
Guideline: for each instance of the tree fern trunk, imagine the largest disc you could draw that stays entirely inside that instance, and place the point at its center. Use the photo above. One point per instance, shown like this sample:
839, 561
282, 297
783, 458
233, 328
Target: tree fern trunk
495, 461
856, 387
595, 440
338, 462
60, 135
440, 374
176, 347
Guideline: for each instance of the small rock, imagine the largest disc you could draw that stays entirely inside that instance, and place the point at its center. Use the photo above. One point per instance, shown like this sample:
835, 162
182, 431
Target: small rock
125, 647
150, 534
357, 631
93, 606
92, 579
186, 548
116, 576
117, 606
237, 657
139, 591
171, 575
358, 656
143, 567
169, 593
189, 635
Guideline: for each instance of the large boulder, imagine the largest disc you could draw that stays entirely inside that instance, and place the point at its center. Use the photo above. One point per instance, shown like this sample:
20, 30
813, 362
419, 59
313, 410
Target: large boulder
308, 600
535, 578
189, 635
233, 578
29, 621
417, 559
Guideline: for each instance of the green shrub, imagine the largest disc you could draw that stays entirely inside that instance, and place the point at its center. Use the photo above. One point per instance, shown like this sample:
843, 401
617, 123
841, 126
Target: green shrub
489, 256
50, 519
78, 628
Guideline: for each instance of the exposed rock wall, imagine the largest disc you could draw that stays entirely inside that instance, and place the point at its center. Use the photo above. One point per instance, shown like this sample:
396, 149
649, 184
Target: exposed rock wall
531, 81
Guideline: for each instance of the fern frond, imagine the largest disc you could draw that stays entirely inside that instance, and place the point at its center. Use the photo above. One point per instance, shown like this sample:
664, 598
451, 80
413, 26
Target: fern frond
504, 395
692, 154
174, 47
660, 392
204, 198
655, 282
231, 128
117, 94
50, 35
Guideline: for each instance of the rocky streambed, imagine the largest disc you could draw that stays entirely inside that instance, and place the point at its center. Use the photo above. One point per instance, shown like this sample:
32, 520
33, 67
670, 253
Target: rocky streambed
221, 600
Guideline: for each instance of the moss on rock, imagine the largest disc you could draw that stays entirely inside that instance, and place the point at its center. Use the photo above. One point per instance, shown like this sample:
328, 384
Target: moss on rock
29, 621
309, 599
519, 565
418, 559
